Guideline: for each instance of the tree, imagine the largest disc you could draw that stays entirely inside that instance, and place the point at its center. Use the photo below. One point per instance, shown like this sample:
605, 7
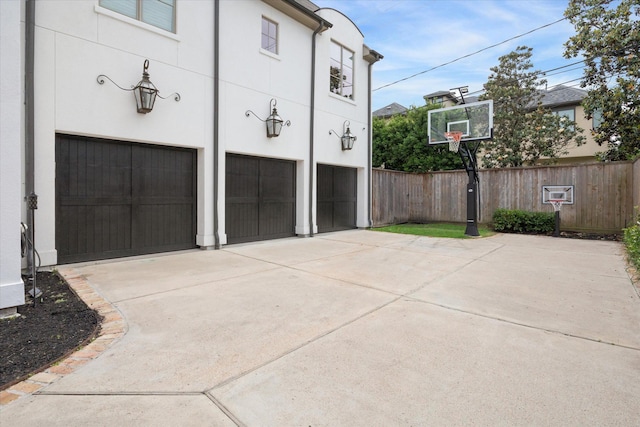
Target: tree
609, 40
524, 132
401, 143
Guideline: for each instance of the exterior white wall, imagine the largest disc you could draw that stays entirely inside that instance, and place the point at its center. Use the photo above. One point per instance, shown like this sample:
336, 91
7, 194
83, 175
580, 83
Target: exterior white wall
78, 40
11, 136
333, 110
250, 78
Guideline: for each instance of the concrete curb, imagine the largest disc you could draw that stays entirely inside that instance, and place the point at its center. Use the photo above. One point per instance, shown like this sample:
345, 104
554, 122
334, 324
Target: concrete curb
112, 328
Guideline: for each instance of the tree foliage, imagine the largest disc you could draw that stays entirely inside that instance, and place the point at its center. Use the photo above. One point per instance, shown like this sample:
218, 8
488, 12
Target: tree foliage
608, 37
524, 131
401, 143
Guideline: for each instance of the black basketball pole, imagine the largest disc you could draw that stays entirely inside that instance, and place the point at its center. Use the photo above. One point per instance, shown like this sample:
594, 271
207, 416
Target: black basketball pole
468, 157
470, 162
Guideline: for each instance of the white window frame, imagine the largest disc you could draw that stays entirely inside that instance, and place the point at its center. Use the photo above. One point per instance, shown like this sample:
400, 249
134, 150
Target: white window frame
139, 14
276, 38
340, 91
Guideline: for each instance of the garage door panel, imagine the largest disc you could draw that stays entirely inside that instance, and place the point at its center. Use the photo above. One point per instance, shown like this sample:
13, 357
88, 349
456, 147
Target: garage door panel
337, 198
276, 219
164, 226
242, 221
344, 214
118, 199
344, 184
93, 229
260, 198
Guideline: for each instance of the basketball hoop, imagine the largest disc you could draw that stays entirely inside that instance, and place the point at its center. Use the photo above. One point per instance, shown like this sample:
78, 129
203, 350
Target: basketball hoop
557, 204
454, 138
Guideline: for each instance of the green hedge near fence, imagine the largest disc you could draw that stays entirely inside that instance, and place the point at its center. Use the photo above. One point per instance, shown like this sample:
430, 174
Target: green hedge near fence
632, 242
517, 221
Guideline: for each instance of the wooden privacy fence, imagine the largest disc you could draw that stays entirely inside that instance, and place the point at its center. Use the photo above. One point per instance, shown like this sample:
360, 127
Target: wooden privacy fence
604, 194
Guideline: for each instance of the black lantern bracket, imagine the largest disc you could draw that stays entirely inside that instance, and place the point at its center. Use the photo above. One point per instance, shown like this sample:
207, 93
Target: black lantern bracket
274, 121
347, 137
145, 91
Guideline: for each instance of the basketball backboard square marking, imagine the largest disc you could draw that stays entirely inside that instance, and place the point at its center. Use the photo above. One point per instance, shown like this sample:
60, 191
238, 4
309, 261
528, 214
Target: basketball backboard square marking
461, 126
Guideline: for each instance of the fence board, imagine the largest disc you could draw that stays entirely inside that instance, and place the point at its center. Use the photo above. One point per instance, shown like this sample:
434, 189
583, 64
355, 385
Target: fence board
604, 194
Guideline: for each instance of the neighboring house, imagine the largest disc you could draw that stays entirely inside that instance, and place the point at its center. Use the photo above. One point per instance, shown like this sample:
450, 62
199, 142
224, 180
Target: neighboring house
443, 97
447, 99
389, 111
198, 172
566, 101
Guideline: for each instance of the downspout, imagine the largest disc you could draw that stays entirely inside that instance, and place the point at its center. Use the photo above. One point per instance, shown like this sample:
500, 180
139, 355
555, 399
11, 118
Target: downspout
216, 102
369, 149
376, 57
312, 110
29, 136
29, 96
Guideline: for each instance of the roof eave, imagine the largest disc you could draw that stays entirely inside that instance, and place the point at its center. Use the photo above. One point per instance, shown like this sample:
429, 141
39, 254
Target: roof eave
300, 13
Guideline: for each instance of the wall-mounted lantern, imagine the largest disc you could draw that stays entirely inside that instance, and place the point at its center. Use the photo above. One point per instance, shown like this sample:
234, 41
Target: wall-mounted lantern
145, 91
274, 121
347, 137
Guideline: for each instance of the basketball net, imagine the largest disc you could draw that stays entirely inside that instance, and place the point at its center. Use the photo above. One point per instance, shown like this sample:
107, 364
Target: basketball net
557, 204
454, 138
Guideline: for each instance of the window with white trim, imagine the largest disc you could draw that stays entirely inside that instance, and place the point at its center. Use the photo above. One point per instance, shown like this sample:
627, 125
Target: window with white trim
341, 71
269, 40
159, 13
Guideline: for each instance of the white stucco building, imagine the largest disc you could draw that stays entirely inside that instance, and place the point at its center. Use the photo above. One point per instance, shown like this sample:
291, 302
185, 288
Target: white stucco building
197, 172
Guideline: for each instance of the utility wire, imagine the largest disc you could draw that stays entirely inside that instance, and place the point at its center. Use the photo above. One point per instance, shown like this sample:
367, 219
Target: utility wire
485, 48
470, 54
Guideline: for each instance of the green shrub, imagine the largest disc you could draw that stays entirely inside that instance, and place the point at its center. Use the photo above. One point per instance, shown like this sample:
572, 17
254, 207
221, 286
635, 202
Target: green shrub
517, 221
632, 242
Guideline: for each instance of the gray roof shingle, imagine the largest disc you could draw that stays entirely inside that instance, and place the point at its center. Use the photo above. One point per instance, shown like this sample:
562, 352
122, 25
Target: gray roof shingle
390, 110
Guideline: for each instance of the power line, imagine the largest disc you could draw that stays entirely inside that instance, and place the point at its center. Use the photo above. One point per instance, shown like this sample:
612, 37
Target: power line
470, 54
545, 73
489, 47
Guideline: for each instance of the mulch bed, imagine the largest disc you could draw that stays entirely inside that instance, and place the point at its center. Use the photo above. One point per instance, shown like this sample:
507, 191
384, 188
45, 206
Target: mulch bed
59, 323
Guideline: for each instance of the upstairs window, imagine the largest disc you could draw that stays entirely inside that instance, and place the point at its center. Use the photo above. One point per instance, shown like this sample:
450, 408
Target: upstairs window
341, 71
269, 35
597, 119
567, 114
159, 13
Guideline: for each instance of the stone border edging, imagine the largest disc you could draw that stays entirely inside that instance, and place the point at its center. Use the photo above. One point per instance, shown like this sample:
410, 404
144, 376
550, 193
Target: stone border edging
112, 328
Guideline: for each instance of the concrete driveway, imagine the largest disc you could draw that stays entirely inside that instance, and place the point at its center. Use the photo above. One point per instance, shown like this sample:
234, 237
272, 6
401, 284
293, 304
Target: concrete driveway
361, 328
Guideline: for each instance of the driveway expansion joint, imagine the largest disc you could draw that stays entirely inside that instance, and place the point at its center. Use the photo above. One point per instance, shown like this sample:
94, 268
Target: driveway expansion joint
524, 325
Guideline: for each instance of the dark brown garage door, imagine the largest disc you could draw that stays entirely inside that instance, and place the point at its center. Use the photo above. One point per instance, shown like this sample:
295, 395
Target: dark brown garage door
116, 199
337, 198
260, 198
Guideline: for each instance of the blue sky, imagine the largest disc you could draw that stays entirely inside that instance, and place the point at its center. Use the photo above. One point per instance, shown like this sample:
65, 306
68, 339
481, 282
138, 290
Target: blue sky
416, 35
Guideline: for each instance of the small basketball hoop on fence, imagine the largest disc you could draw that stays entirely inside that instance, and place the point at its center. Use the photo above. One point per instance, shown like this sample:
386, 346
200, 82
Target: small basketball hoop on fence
454, 138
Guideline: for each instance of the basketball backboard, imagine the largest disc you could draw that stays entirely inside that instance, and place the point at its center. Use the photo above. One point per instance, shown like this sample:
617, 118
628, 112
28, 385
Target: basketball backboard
563, 193
474, 120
